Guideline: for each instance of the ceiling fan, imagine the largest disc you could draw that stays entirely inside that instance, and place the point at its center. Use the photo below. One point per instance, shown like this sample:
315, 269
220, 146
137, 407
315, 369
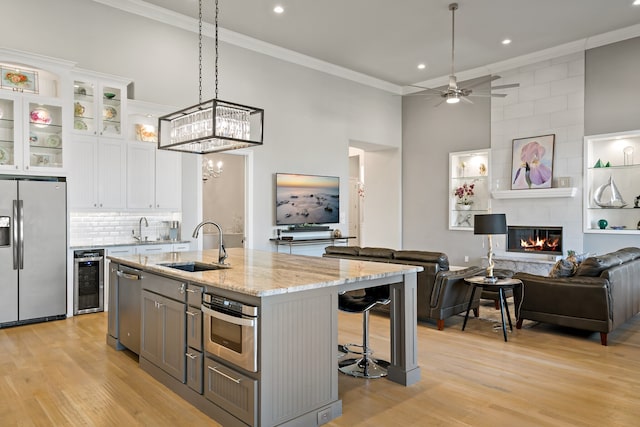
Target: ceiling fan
453, 94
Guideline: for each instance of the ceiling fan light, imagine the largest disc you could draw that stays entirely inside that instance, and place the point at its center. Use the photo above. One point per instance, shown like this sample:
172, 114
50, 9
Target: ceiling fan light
453, 98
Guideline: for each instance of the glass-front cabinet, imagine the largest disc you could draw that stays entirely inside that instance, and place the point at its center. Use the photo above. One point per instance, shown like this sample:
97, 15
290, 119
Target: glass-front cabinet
469, 192
31, 133
44, 134
7, 131
98, 107
612, 183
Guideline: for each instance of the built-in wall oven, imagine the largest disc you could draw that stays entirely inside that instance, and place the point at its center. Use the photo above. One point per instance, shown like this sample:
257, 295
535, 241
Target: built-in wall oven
88, 281
231, 331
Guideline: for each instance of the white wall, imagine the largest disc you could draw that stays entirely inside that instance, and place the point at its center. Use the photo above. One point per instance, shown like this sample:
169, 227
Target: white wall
310, 117
550, 100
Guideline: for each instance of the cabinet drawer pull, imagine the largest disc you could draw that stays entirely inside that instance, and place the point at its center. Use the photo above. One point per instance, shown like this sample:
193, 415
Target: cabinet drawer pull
191, 356
191, 290
235, 380
182, 287
190, 313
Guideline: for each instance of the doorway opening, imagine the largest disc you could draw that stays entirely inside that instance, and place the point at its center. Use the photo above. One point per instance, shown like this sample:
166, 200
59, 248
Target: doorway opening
223, 198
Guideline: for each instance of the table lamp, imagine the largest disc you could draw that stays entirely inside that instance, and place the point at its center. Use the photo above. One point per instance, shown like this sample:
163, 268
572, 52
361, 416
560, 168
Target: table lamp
490, 224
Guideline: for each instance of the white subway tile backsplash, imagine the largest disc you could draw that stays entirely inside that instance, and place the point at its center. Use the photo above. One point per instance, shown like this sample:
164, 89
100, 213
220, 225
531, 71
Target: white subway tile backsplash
115, 227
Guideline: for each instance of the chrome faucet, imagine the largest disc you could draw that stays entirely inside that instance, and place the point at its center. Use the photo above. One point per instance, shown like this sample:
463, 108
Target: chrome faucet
222, 253
146, 224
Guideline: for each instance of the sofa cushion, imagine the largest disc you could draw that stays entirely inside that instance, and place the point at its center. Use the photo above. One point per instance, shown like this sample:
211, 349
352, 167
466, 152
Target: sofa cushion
627, 254
343, 250
563, 268
593, 266
423, 256
376, 252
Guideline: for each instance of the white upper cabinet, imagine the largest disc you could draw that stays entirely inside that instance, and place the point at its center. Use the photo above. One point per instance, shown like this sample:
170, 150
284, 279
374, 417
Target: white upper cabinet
99, 106
33, 114
154, 177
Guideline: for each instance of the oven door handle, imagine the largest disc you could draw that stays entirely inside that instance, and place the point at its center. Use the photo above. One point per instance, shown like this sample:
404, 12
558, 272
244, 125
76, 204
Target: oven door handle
242, 321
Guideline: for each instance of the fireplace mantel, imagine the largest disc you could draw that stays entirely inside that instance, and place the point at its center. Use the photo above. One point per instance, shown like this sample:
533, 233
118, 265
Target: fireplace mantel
537, 193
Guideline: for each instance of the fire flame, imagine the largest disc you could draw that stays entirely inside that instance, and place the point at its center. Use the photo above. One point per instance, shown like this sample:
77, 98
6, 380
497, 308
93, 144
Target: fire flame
539, 244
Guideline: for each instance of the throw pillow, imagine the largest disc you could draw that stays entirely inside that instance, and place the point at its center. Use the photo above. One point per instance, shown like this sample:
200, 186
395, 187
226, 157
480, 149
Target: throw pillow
563, 268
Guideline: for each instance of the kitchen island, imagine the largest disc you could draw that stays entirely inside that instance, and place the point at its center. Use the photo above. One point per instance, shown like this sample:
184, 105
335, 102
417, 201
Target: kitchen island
296, 382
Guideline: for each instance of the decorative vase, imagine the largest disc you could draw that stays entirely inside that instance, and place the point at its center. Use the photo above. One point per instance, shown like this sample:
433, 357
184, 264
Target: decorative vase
462, 207
603, 224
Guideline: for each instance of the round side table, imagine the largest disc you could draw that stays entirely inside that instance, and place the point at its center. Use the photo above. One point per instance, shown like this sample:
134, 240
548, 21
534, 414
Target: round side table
498, 286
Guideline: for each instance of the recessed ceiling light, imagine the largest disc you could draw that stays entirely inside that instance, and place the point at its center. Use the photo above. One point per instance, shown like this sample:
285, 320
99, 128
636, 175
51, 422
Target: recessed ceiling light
422, 66
636, 2
508, 41
278, 9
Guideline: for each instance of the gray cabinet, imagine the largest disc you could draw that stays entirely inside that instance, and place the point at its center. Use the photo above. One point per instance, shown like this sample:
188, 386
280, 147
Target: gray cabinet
112, 326
232, 391
163, 337
129, 289
194, 370
195, 356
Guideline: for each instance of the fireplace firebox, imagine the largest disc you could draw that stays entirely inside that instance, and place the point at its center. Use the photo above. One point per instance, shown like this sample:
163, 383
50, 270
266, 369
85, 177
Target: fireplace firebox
530, 239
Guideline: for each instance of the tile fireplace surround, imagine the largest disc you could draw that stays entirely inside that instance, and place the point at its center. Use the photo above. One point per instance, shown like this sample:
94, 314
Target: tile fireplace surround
526, 263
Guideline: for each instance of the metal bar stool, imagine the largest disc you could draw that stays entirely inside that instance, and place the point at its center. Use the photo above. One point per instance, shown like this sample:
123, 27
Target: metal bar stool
364, 366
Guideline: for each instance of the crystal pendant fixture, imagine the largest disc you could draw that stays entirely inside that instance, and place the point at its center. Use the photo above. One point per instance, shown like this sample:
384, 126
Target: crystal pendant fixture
212, 125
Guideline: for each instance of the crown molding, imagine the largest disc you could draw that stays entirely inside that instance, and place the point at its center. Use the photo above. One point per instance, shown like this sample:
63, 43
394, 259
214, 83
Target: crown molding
17, 56
168, 17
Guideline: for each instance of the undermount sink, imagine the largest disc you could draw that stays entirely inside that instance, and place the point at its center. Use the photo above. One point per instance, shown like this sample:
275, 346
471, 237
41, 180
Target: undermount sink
195, 266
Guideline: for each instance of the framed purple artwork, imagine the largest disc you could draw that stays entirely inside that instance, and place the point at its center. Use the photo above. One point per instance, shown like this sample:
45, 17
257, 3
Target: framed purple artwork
532, 162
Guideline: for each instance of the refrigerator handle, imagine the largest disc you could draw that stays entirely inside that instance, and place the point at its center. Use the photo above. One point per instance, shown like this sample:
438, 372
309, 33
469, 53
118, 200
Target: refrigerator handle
16, 255
21, 232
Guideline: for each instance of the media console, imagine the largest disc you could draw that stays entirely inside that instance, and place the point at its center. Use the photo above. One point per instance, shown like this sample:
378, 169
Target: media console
310, 241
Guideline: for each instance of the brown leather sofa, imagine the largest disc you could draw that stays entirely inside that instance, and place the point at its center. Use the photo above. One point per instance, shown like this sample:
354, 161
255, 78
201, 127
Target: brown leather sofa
603, 293
441, 293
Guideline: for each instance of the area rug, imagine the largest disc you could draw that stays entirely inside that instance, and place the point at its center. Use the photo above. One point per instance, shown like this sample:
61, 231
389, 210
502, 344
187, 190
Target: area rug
488, 313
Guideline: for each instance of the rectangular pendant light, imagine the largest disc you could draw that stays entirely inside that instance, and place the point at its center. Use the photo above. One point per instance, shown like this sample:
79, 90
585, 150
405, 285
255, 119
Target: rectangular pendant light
197, 129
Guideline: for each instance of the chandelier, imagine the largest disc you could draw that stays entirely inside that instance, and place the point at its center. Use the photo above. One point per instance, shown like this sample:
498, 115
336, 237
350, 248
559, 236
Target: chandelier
212, 125
209, 170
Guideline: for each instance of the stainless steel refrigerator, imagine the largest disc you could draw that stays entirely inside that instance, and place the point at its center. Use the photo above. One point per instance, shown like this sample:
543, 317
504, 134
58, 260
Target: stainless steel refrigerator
33, 250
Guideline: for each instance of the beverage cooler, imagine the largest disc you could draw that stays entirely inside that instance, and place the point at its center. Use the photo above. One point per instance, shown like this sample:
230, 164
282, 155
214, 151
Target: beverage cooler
88, 281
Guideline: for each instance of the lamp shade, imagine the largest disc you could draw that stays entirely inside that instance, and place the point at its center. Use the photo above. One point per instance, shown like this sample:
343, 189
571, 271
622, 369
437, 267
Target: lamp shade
490, 224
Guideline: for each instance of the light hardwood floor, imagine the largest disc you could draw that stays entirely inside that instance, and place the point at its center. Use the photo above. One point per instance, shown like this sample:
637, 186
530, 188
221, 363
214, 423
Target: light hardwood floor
62, 373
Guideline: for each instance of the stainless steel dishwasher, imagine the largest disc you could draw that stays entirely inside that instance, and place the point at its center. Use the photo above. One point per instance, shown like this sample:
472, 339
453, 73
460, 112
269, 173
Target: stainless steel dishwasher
129, 300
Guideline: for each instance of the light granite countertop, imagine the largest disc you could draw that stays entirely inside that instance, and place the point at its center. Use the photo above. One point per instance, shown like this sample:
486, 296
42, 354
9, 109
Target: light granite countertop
260, 273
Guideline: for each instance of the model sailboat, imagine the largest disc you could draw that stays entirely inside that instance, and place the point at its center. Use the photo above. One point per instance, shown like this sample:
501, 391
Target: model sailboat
614, 201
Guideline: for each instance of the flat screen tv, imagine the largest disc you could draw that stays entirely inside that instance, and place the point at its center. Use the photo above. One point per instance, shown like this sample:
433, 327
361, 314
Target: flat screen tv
307, 199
